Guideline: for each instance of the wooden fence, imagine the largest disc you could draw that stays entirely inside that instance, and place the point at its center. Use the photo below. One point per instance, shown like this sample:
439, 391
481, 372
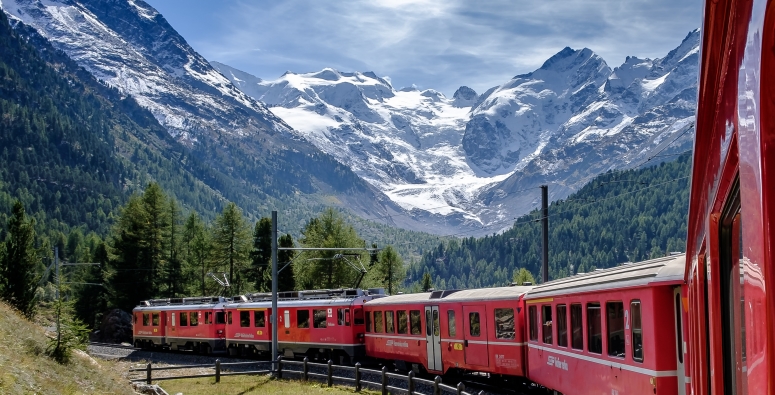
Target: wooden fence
304, 374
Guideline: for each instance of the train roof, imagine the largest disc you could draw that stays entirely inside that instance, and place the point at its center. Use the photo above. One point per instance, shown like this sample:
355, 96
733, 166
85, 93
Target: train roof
454, 295
178, 303
665, 270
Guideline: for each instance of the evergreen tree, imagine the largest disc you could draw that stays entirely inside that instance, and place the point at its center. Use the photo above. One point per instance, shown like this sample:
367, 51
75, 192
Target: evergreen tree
330, 269
285, 279
156, 234
92, 300
174, 270
198, 246
231, 245
523, 275
427, 284
261, 255
390, 269
18, 262
131, 278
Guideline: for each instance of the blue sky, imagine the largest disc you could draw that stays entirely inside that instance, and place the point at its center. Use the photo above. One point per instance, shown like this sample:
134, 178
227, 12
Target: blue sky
439, 44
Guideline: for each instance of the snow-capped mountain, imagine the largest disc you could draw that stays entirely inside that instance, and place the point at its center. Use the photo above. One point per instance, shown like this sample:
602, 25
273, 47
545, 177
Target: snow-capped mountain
471, 158
130, 46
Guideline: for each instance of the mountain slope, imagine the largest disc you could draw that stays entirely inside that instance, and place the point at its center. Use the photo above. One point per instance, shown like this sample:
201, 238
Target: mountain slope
131, 47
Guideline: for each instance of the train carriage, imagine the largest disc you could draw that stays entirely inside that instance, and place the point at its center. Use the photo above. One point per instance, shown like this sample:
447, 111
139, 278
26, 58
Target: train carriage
730, 241
464, 330
322, 324
149, 323
195, 324
612, 331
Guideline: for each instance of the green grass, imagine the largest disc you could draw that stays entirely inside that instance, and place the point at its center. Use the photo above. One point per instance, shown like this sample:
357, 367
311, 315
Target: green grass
251, 385
26, 369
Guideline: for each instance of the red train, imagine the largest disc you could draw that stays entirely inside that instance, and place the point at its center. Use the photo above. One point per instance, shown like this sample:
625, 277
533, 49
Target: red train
695, 324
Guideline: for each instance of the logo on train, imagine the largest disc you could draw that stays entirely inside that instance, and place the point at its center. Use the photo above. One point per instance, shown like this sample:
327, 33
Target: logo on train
244, 335
144, 332
555, 361
397, 343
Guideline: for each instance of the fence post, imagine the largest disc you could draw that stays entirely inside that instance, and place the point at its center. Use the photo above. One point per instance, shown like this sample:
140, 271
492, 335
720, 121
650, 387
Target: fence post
384, 381
410, 385
357, 377
279, 367
460, 388
148, 373
330, 373
217, 370
305, 377
436, 382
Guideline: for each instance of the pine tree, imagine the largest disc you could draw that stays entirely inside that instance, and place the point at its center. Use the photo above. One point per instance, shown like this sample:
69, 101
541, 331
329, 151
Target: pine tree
198, 246
285, 279
261, 255
131, 279
231, 245
18, 262
174, 269
390, 269
92, 301
522, 276
156, 234
427, 283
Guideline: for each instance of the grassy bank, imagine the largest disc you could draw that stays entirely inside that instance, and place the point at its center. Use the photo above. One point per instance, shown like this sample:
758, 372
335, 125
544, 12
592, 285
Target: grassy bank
251, 385
26, 369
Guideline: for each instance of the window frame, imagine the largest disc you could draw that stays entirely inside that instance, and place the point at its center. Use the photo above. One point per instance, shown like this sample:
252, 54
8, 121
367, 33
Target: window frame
451, 323
591, 306
390, 325
562, 325
503, 333
259, 317
302, 324
609, 324
244, 319
474, 324
532, 312
547, 327
578, 309
379, 322
183, 315
415, 322
633, 302
317, 314
403, 324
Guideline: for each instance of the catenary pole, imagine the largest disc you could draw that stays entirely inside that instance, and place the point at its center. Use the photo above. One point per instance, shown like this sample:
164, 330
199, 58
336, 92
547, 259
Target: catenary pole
274, 289
545, 230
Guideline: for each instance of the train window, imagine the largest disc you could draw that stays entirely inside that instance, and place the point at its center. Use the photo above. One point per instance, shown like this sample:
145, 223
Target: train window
637, 331
184, 318
436, 324
220, 317
146, 319
576, 327
228, 318
194, 318
402, 321
357, 316
244, 319
340, 317
546, 315
134, 318
474, 328
562, 325
414, 322
594, 332
504, 324
208, 318
259, 319
368, 321
320, 318
155, 319
347, 317
451, 323
378, 324
302, 318
533, 313
389, 325
615, 326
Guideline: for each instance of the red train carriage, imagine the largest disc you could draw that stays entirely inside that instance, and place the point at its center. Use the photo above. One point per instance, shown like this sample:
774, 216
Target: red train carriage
613, 331
466, 330
322, 324
730, 241
196, 324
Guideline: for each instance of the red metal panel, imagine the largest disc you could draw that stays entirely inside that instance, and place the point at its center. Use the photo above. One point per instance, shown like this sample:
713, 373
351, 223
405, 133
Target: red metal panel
475, 346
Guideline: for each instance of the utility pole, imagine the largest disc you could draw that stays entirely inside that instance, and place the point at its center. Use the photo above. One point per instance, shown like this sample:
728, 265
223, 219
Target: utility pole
545, 226
274, 291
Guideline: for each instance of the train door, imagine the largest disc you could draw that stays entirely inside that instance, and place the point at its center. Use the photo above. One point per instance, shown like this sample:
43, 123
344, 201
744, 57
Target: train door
475, 335
433, 337
679, 341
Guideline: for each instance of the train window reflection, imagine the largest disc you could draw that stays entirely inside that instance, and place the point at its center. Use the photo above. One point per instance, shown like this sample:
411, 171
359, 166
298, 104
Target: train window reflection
594, 333
184, 318
220, 317
562, 325
451, 323
402, 321
302, 318
436, 323
546, 315
244, 319
504, 324
637, 331
259, 318
414, 321
532, 312
319, 317
577, 327
389, 326
378, 323
194, 318
427, 322
615, 327
146, 319
155, 319
474, 328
